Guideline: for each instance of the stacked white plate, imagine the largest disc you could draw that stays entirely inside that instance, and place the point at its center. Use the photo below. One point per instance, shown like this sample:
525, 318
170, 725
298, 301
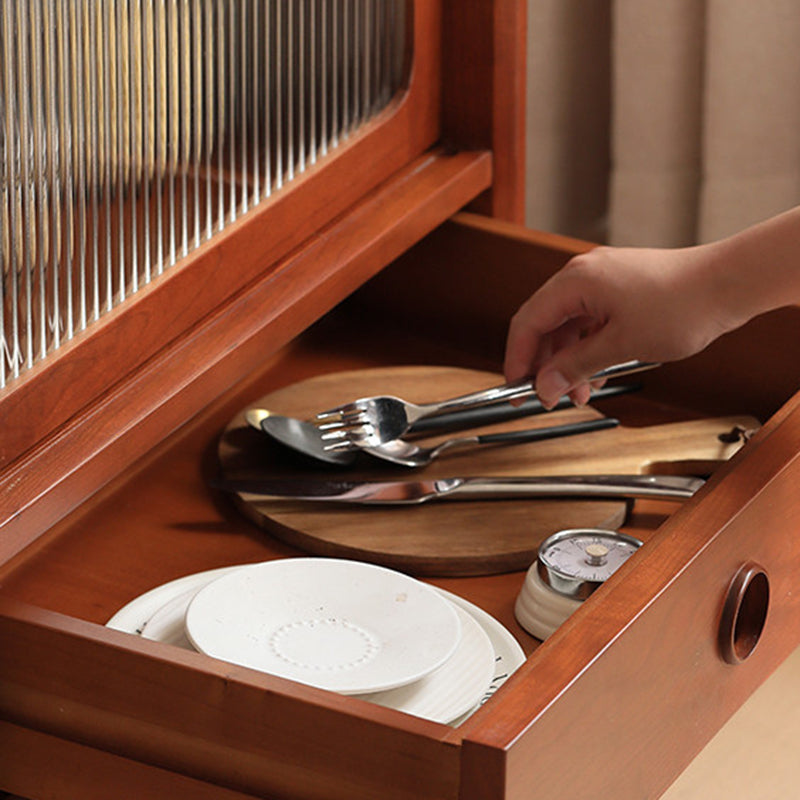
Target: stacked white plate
341, 625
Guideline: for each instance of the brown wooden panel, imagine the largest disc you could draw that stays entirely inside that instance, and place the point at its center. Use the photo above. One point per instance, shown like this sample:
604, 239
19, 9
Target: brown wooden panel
473, 268
484, 54
211, 721
78, 772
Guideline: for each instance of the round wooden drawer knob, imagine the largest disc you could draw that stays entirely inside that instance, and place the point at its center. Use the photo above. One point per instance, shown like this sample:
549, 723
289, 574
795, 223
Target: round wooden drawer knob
744, 614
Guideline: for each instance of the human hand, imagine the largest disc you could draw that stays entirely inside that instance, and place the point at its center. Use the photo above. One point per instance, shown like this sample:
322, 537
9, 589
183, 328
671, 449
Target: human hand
611, 305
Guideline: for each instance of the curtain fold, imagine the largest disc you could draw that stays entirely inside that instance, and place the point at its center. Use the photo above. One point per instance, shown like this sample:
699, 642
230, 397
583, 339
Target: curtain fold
568, 111
657, 81
751, 134
662, 122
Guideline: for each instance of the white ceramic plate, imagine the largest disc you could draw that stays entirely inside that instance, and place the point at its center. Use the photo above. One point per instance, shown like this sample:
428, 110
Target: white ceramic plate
166, 625
341, 625
508, 655
159, 613
448, 692
133, 616
454, 688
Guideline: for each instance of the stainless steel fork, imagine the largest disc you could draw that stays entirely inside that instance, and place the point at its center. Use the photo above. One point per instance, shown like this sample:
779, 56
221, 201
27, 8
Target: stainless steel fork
372, 421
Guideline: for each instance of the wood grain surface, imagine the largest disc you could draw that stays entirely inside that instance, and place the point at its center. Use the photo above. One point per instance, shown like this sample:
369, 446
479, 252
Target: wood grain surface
455, 538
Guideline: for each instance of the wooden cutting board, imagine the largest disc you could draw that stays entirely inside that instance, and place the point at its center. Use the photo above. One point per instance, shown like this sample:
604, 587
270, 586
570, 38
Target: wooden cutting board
465, 537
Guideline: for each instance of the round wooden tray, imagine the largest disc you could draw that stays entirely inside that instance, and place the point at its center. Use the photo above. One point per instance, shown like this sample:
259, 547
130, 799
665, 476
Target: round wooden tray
444, 538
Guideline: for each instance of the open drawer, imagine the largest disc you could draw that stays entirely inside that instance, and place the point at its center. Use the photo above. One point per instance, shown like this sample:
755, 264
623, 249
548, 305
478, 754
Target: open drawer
614, 704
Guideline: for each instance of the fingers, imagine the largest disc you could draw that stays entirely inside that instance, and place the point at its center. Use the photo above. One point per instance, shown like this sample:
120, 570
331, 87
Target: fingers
550, 320
574, 326
570, 369
551, 385
580, 394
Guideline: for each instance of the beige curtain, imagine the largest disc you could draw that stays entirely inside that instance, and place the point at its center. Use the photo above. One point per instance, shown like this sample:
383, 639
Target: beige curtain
662, 122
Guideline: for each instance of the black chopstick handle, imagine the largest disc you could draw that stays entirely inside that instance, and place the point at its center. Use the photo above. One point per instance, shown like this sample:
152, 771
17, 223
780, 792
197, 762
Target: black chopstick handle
553, 432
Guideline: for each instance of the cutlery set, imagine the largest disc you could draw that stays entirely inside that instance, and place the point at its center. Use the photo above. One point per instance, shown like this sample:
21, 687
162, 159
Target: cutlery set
384, 428
339, 435
305, 438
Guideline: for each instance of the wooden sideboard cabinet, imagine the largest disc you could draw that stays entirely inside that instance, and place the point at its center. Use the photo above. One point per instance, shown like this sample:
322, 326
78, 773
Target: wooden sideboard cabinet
402, 247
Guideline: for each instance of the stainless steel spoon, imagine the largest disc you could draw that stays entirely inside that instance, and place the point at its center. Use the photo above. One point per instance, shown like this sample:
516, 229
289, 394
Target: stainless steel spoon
409, 454
298, 435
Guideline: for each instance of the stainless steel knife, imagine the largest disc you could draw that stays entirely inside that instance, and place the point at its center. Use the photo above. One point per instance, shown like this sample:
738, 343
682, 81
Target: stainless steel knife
414, 492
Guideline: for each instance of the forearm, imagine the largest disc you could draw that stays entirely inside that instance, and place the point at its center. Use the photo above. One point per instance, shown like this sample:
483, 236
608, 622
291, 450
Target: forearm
758, 269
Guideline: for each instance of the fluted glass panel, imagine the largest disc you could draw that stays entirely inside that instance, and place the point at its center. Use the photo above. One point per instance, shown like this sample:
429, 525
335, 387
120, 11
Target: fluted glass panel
131, 131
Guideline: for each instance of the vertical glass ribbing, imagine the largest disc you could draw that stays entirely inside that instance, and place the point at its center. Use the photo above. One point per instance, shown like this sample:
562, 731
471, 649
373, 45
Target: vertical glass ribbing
131, 131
